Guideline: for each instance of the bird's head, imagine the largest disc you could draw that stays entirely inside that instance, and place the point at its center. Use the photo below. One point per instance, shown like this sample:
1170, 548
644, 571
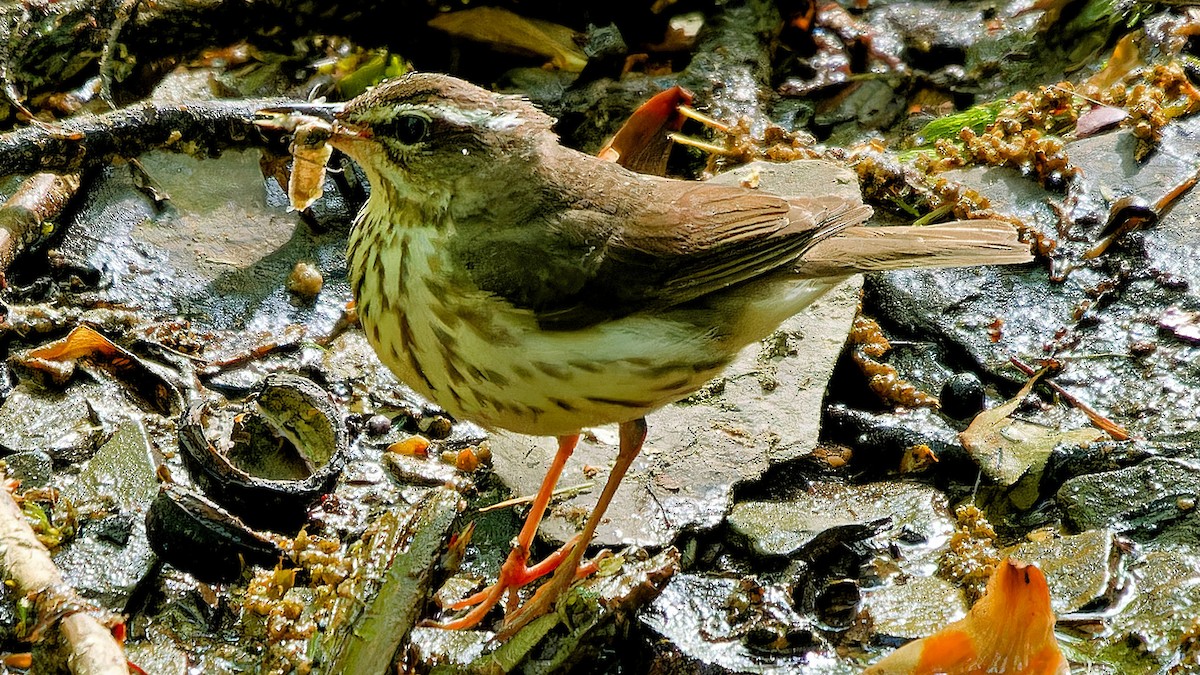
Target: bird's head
426, 138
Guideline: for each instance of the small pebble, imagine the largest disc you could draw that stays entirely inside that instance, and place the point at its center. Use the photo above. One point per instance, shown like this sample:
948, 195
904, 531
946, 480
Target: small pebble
378, 425
436, 427
962, 396
305, 281
1140, 348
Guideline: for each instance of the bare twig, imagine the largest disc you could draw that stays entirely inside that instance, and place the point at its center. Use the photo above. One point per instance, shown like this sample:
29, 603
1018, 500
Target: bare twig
1116, 431
201, 128
27, 564
528, 499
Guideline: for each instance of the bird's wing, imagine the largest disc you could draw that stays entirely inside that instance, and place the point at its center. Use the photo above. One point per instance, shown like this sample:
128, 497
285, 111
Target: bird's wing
575, 261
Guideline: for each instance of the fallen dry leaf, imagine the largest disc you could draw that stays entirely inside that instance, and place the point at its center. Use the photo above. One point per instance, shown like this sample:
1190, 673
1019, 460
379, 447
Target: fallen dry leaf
511, 32
642, 144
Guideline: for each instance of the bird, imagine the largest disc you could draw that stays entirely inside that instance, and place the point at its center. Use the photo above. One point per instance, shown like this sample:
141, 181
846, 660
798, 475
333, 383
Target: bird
527, 286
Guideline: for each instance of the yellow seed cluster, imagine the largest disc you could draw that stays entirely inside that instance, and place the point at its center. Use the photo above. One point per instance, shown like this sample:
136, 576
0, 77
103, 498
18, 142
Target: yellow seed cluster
1026, 133
1022, 137
1152, 96
963, 201
869, 344
972, 554
776, 144
291, 601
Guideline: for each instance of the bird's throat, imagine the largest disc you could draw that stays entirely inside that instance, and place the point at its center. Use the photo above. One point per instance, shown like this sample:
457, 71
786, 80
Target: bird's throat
407, 306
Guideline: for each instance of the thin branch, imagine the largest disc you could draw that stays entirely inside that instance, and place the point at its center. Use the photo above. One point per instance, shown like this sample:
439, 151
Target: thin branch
39, 200
1116, 431
201, 128
27, 564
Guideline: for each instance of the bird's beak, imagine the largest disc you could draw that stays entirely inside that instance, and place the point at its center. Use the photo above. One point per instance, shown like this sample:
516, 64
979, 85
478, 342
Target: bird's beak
347, 134
289, 117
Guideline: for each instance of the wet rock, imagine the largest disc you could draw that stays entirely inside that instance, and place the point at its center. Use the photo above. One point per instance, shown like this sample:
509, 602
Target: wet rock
992, 58
1144, 637
427, 472
115, 529
1067, 462
121, 473
105, 565
158, 658
828, 515
1155, 500
224, 244
880, 439
765, 409
731, 62
88, 353
914, 607
937, 35
33, 468
866, 104
588, 113
1084, 570
1106, 311
180, 613
352, 371
711, 625
69, 425
111, 556
447, 649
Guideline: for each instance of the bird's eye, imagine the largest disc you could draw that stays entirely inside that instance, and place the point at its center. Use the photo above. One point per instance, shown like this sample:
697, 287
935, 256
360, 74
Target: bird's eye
409, 128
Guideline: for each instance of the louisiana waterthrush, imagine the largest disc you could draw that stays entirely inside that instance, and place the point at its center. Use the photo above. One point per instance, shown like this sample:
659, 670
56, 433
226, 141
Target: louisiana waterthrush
531, 287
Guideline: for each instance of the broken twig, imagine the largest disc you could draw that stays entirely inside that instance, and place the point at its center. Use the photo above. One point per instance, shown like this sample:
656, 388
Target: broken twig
1116, 431
27, 564
200, 128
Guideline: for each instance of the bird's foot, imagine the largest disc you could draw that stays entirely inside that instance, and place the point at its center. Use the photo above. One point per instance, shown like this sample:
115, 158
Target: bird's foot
513, 575
546, 597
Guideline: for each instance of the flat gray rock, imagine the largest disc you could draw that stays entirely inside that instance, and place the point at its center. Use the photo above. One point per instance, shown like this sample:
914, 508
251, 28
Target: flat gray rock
1154, 499
829, 514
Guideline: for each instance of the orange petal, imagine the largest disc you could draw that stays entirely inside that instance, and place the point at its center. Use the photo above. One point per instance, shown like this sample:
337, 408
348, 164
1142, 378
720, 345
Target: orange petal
641, 144
1010, 630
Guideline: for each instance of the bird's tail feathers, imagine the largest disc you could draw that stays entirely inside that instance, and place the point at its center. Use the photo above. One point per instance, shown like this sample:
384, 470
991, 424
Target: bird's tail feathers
960, 243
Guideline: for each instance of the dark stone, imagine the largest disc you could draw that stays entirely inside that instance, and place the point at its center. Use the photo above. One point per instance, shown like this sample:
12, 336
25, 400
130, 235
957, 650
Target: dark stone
962, 396
115, 529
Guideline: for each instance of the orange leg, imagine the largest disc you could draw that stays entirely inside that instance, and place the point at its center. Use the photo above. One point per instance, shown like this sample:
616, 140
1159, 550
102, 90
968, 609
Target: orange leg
633, 434
514, 573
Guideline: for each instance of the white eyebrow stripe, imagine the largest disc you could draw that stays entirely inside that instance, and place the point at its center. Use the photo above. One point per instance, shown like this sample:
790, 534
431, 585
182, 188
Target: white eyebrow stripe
497, 122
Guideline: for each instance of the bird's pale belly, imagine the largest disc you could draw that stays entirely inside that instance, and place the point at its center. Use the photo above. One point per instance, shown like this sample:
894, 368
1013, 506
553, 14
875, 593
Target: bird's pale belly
536, 382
